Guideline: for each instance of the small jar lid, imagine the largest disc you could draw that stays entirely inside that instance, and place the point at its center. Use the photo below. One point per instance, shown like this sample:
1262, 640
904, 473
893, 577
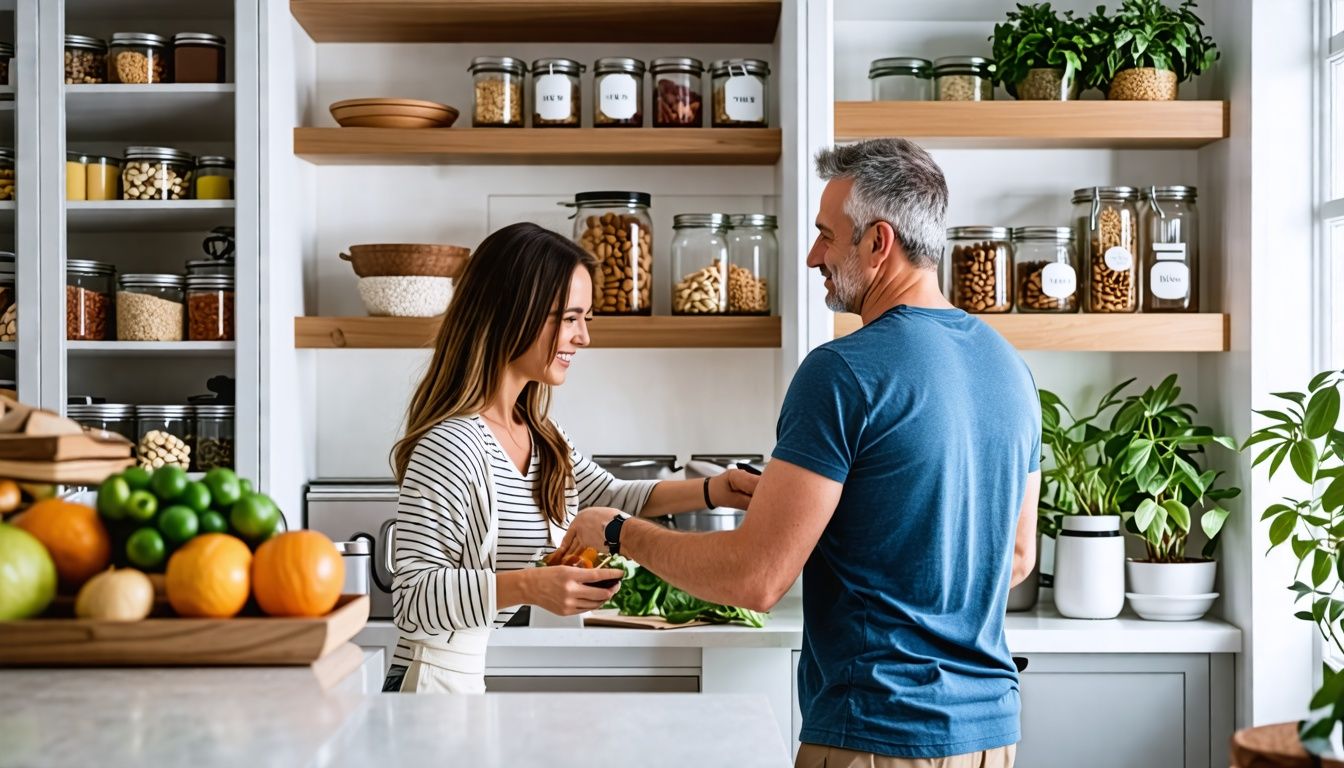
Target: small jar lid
762, 220
85, 42
7, 50
699, 220
7, 153
102, 160
214, 161
163, 411
1179, 192
109, 411
209, 283
556, 66
738, 67
615, 64
506, 64
978, 233
955, 64
89, 267
209, 266
7, 265
1042, 233
354, 547
139, 39
76, 157
159, 153
214, 411
1110, 194
142, 280
900, 65
198, 38
676, 64
614, 198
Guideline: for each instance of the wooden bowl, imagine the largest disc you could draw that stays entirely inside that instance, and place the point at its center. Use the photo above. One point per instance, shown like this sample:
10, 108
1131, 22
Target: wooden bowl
393, 113
407, 259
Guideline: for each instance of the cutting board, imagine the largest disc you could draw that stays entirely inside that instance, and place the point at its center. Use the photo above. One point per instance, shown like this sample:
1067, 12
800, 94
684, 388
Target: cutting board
95, 444
613, 618
80, 472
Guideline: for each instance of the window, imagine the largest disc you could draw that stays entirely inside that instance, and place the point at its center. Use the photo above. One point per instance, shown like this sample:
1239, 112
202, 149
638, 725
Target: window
1330, 270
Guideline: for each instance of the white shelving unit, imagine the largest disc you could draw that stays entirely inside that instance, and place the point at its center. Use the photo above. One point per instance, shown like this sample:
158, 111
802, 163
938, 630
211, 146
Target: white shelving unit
148, 215
150, 113
172, 349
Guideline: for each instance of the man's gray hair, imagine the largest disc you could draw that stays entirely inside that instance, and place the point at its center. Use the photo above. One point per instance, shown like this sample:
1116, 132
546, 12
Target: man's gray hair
895, 181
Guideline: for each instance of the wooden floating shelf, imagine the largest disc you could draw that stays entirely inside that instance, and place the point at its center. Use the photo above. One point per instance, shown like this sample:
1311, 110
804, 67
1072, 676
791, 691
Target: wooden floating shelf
607, 332
1100, 333
551, 146
538, 21
1037, 124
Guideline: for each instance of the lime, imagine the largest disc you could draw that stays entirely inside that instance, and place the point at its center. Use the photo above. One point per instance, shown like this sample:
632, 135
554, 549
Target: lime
254, 516
169, 482
224, 487
137, 478
245, 485
178, 524
112, 497
196, 496
145, 548
213, 522
141, 506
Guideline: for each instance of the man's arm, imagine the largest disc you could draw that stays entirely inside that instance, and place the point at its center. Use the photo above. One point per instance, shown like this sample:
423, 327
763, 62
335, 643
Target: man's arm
1024, 548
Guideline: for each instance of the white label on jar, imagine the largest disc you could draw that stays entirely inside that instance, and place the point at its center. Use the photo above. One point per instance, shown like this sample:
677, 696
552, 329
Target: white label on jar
619, 99
1119, 259
1169, 251
1058, 281
1169, 280
744, 99
553, 92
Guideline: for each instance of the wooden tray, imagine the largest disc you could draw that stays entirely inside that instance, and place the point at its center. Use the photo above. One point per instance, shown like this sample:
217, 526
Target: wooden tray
613, 618
174, 642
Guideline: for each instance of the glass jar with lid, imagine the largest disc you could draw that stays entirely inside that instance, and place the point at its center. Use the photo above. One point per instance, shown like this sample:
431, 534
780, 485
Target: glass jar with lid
7, 180
89, 287
1106, 224
102, 177
616, 228
157, 173
555, 93
150, 307
980, 263
753, 253
214, 177
1047, 269
222, 267
198, 57
618, 92
7, 293
498, 84
118, 418
85, 60
963, 78
1169, 241
138, 58
741, 93
76, 176
700, 257
163, 435
209, 308
214, 438
677, 92
901, 79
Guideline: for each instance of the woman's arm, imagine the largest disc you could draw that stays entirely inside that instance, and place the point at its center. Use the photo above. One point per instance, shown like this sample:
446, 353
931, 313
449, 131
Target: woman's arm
730, 489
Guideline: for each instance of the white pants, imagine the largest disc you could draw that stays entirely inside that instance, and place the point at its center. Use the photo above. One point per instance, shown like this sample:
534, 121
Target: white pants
458, 668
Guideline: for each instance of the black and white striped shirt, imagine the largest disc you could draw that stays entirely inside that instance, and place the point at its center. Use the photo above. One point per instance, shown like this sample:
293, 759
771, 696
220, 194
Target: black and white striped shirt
464, 514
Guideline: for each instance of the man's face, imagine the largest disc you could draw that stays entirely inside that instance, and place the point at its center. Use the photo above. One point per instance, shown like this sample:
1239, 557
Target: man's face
834, 253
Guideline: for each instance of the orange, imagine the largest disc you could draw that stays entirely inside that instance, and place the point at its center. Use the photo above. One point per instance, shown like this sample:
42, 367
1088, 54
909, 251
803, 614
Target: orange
298, 573
209, 577
74, 536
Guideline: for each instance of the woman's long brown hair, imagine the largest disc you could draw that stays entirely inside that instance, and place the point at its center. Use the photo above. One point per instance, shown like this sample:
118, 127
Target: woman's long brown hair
513, 283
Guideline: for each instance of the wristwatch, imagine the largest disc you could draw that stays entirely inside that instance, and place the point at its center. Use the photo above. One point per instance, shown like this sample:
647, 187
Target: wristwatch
612, 533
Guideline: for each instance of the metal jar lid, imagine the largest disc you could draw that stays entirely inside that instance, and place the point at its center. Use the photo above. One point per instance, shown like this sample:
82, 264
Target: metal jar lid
142, 280
7, 265
214, 161
900, 65
722, 67
77, 157
163, 411
673, 64
138, 39
556, 66
1043, 233
758, 220
1179, 192
699, 220
86, 43
978, 233
1109, 194
89, 267
6, 50
209, 283
613, 198
7, 153
159, 153
955, 64
614, 64
214, 411
108, 411
198, 38
198, 267
102, 160
506, 64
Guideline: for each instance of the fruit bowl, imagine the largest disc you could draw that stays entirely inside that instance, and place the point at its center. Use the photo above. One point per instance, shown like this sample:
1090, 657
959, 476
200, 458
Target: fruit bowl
404, 259
392, 113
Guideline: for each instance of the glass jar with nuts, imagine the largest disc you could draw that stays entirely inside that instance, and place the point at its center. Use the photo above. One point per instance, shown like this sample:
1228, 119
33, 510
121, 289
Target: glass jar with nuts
741, 93
214, 437
117, 418
677, 101
8, 305
156, 173
7, 180
138, 58
616, 228
618, 93
1047, 269
1106, 225
980, 261
753, 252
163, 435
963, 78
150, 308
700, 258
89, 289
85, 60
555, 93
499, 91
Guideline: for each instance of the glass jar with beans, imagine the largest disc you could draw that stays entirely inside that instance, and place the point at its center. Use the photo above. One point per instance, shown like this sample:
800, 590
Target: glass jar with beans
156, 173
163, 435
89, 287
117, 418
980, 262
209, 308
1106, 225
198, 57
7, 179
616, 228
7, 293
150, 308
498, 82
214, 437
700, 258
741, 92
677, 101
963, 78
555, 93
753, 251
1169, 240
901, 79
85, 60
138, 58
618, 93
1047, 269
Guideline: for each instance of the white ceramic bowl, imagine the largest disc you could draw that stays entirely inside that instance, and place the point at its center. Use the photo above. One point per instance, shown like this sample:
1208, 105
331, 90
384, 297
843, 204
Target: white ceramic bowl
1171, 607
407, 296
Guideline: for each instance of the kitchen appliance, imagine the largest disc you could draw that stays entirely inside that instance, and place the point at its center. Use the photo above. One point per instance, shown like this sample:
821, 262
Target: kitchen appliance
362, 511
637, 467
704, 465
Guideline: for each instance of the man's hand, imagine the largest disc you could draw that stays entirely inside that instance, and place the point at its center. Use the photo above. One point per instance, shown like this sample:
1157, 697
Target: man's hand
733, 488
588, 530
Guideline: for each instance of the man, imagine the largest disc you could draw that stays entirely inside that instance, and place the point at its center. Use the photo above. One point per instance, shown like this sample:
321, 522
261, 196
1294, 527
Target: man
903, 486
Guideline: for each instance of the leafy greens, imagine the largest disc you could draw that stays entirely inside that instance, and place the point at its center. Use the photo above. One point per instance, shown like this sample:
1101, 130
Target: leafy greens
644, 593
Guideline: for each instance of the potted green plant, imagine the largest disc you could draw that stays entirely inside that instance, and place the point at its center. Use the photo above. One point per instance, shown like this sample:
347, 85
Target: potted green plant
1161, 455
1153, 47
1307, 437
1041, 54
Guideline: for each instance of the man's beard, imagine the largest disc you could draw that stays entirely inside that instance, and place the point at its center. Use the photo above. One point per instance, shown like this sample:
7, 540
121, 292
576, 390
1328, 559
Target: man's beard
846, 293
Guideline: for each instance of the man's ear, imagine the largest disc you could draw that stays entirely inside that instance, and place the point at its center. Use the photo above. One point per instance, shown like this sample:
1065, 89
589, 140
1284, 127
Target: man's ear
884, 245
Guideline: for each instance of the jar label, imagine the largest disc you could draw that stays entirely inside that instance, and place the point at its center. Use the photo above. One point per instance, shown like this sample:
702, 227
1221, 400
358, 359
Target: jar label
619, 97
553, 96
1169, 280
1169, 251
1119, 259
744, 99
1058, 281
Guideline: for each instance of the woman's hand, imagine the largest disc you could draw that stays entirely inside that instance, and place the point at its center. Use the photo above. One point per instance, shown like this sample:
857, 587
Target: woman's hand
565, 591
733, 488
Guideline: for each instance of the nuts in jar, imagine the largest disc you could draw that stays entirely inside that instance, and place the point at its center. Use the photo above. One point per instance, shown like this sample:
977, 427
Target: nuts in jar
498, 84
753, 252
158, 448
149, 308
616, 229
740, 92
676, 92
701, 292
138, 58
156, 173
981, 260
555, 93
9, 323
1107, 231
618, 92
85, 60
1047, 277
747, 293
7, 180
963, 78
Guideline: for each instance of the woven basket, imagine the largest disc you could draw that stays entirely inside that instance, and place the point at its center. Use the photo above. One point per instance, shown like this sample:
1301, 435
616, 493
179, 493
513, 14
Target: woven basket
403, 259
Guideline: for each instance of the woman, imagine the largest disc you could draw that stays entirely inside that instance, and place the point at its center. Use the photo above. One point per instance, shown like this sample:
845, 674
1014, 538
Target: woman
487, 478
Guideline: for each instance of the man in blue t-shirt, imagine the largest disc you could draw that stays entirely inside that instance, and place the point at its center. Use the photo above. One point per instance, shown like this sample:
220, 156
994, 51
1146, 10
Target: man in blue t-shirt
903, 487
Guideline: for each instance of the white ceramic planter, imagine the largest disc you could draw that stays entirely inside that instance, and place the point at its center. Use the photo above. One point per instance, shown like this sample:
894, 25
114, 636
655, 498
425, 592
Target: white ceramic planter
1171, 578
1090, 568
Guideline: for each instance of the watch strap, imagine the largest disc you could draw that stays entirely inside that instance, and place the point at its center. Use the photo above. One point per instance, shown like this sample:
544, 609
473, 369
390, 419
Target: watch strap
612, 533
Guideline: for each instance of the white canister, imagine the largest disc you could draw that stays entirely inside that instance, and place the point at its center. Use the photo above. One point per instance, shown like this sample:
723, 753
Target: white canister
357, 561
1090, 567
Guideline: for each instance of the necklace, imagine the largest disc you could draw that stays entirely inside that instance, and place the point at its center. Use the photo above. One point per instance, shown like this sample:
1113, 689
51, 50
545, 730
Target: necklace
508, 432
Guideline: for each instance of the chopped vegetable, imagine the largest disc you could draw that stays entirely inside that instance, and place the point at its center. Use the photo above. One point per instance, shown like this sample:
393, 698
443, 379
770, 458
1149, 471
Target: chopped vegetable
643, 593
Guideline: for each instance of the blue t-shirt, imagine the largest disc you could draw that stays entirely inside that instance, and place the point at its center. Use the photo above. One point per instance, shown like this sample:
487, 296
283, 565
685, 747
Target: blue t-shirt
932, 423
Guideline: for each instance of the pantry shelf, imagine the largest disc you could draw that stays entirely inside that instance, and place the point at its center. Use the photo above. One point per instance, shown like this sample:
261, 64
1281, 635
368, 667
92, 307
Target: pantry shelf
143, 114
538, 21
1037, 124
514, 146
607, 332
1100, 332
151, 348
148, 215
7, 208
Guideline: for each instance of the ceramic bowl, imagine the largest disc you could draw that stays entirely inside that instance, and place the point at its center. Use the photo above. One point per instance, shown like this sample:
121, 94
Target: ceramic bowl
1171, 607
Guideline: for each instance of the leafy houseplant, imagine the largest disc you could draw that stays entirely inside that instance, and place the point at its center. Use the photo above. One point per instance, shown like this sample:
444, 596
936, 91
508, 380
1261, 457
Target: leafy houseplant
1041, 54
1081, 479
1152, 48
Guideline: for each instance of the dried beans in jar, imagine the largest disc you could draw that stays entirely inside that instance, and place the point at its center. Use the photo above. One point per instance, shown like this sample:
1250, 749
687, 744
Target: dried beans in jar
677, 100
981, 263
1107, 226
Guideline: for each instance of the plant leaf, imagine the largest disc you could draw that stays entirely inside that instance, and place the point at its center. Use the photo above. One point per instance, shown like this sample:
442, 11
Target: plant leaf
1212, 522
1145, 514
1319, 380
1295, 397
1302, 547
1303, 458
1322, 413
1179, 514
1333, 498
1320, 568
1281, 528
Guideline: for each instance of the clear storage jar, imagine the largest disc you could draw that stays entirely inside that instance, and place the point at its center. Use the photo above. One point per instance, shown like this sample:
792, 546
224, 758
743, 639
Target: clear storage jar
741, 93
6, 57
1169, 241
214, 177
210, 308
677, 92
156, 173
85, 60
1106, 225
102, 177
901, 79
213, 267
963, 78
980, 263
753, 255
214, 438
89, 288
618, 92
150, 308
163, 435
138, 58
198, 57
117, 418
616, 228
555, 93
498, 82
7, 292
700, 258
76, 176
8, 182
1047, 269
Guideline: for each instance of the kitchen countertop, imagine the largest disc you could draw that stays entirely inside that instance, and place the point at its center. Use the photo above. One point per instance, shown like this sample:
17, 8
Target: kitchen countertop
280, 717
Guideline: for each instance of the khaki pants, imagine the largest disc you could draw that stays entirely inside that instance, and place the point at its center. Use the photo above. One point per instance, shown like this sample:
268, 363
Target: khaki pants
816, 756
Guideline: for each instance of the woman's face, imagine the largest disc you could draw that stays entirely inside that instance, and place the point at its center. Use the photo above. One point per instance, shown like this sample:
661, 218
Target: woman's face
566, 330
